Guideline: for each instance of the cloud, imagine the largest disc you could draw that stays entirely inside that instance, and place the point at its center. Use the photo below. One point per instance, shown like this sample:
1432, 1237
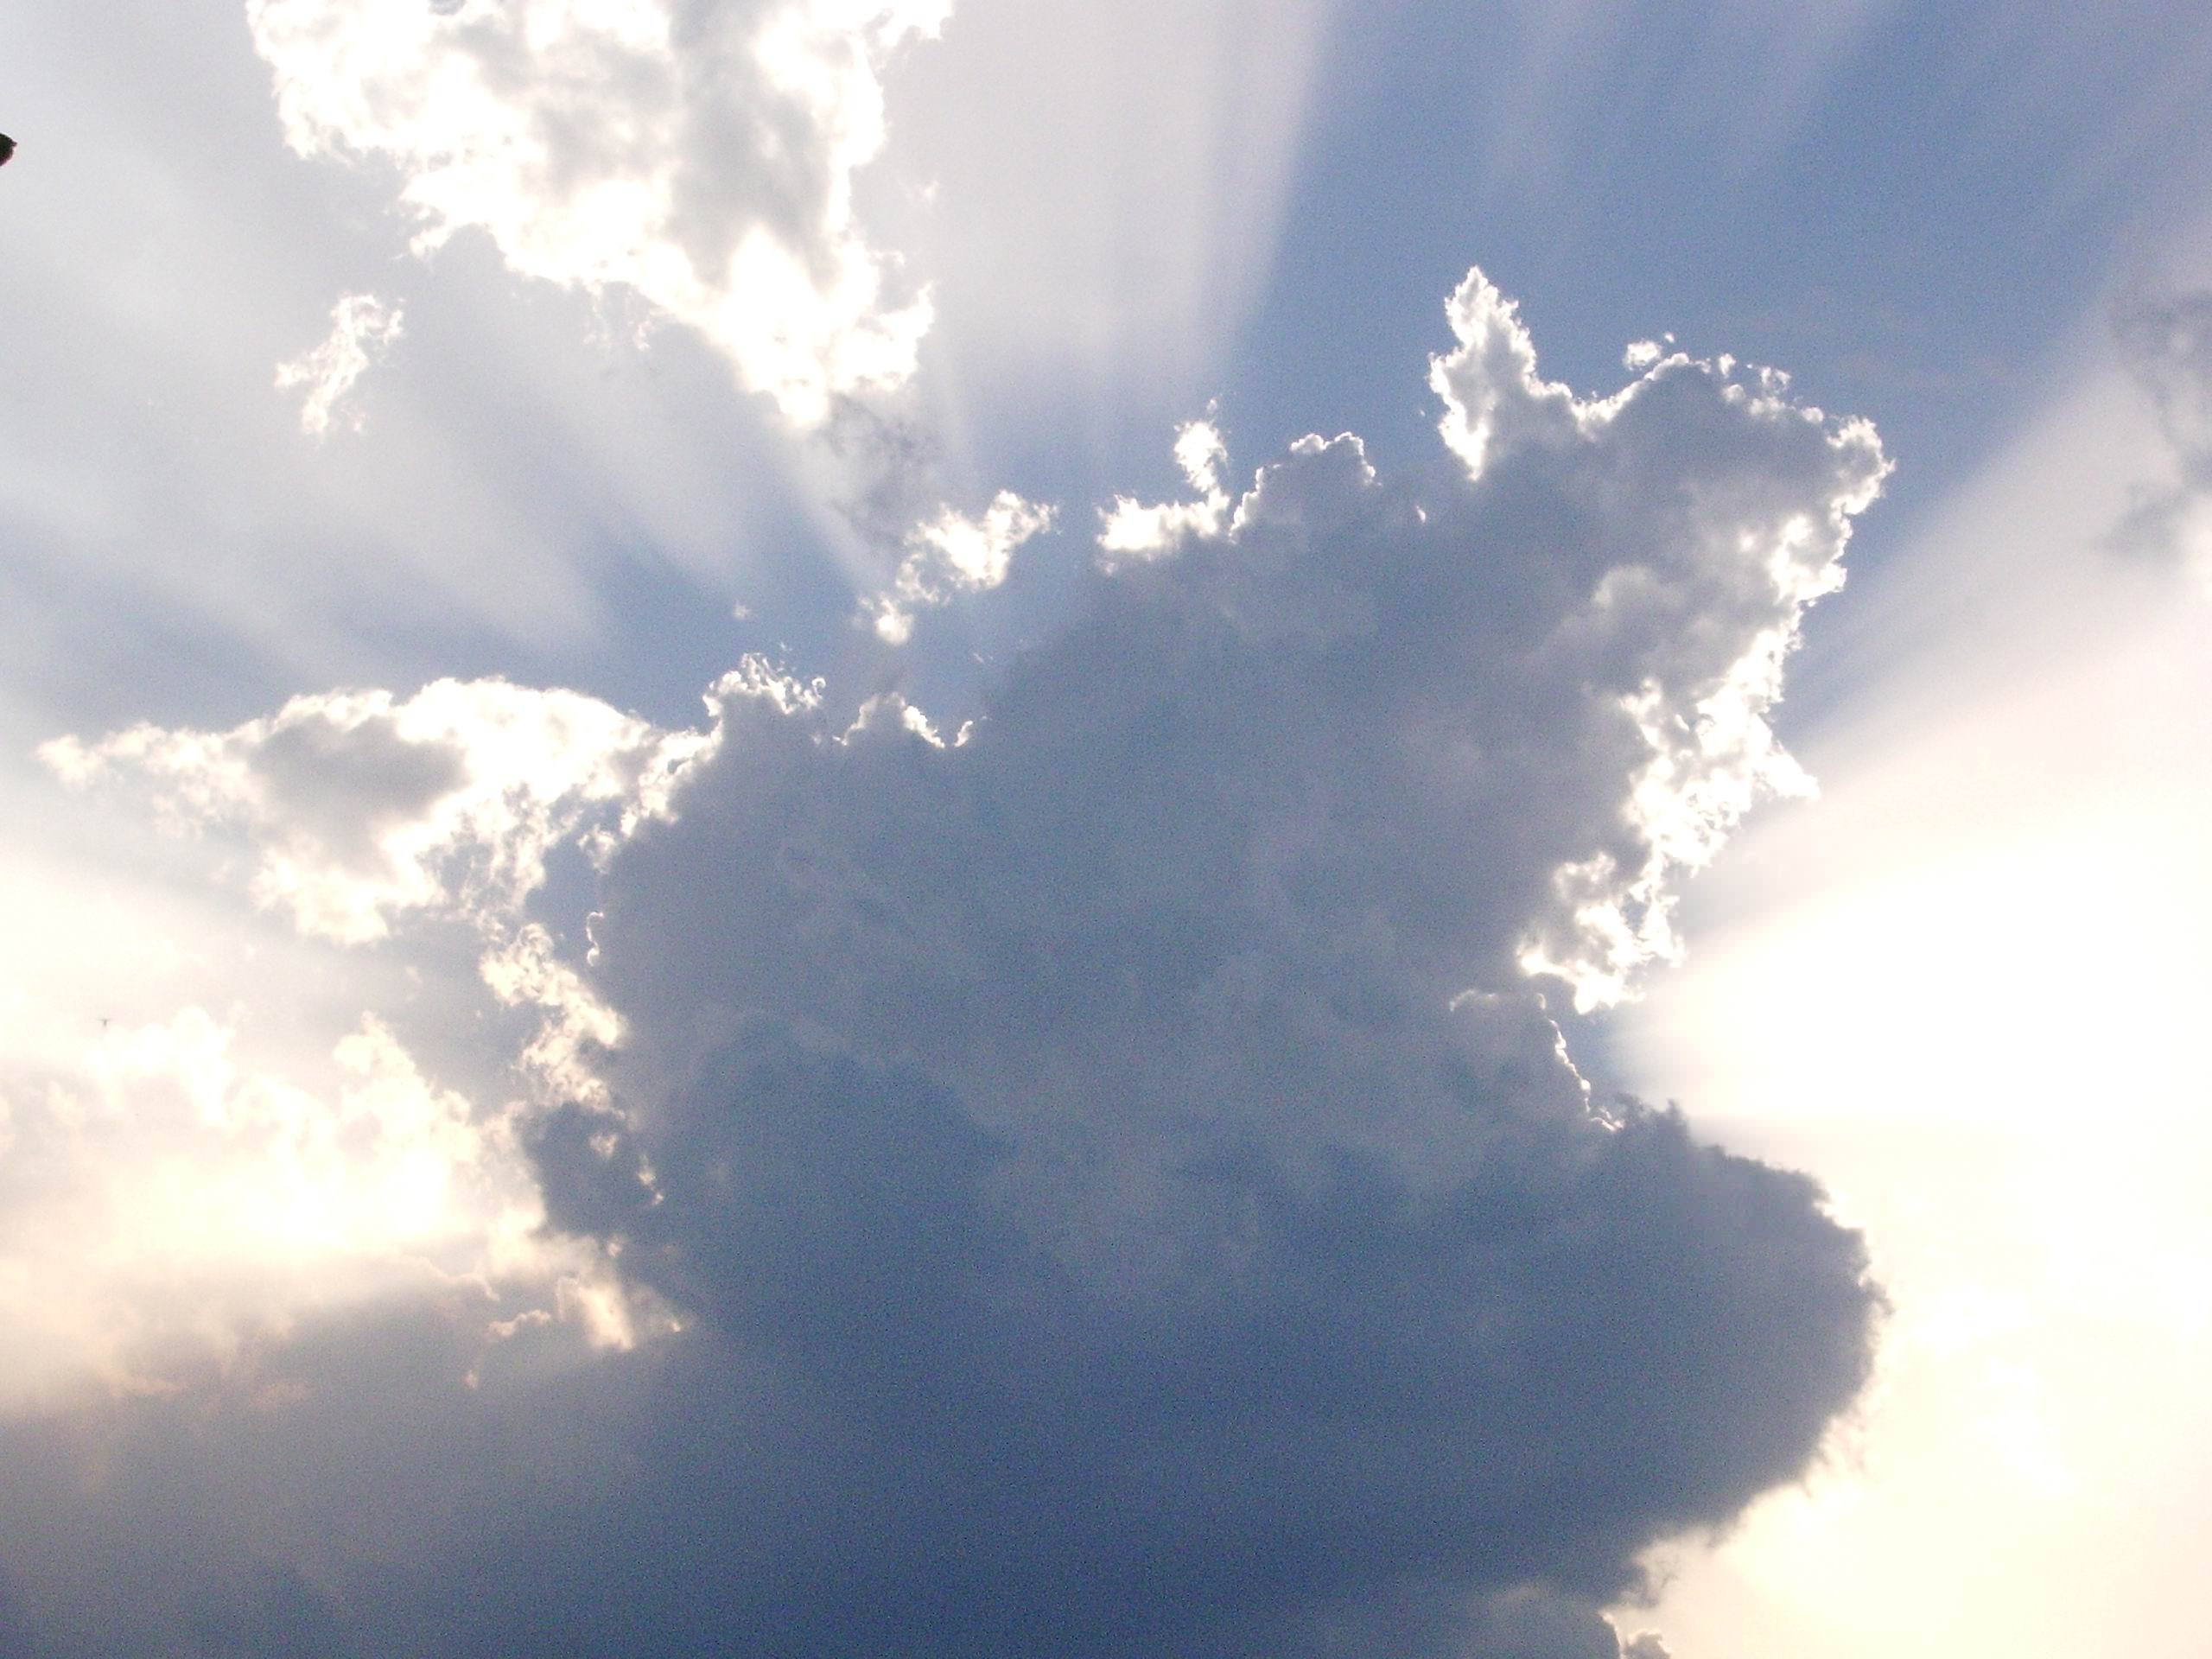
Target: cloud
360, 808
1119, 1186
362, 328
167, 1201
700, 156
174, 1190
1130, 1130
1132, 529
954, 554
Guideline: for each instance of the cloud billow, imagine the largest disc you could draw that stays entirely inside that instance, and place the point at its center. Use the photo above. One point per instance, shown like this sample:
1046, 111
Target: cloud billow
1335, 1392
1120, 1187
1122, 1144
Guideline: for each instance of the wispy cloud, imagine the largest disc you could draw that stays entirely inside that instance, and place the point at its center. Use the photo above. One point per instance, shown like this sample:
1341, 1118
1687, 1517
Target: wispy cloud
362, 328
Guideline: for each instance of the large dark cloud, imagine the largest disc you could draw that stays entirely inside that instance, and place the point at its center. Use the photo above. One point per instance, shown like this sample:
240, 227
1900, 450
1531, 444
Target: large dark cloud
1125, 1134
1122, 1194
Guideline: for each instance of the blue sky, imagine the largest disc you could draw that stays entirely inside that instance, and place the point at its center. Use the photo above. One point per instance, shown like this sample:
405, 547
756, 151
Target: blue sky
1310, 984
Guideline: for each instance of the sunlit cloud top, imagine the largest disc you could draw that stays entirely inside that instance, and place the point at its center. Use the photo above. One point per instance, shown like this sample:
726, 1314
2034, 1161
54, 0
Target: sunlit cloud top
702, 159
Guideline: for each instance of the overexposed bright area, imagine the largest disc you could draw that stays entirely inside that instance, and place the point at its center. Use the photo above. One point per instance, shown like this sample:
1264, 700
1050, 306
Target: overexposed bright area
1966, 989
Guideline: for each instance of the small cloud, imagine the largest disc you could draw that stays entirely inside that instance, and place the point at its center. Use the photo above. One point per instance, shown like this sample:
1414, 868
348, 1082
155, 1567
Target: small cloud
956, 553
1135, 531
362, 329
1642, 353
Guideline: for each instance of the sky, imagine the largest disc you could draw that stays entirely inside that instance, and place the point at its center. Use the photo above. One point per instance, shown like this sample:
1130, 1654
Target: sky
941, 827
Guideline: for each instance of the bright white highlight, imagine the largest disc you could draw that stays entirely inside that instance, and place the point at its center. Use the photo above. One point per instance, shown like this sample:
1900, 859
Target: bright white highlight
362, 807
168, 1190
1966, 989
1132, 529
954, 553
701, 159
228, 1174
362, 328
1765, 559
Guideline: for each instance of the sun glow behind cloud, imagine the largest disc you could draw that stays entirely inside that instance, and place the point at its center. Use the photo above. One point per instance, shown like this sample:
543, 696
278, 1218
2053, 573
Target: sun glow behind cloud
235, 1178
163, 1199
1967, 988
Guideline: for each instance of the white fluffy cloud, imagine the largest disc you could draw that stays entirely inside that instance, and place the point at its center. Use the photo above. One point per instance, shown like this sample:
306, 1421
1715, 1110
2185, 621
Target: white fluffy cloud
359, 807
956, 553
701, 156
362, 328
1133, 530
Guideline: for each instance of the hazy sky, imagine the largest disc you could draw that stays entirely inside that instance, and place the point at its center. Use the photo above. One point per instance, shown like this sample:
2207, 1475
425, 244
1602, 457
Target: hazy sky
950, 827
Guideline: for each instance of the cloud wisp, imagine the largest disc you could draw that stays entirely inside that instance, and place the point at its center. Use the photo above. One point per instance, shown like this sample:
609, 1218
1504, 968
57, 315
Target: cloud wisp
362, 328
1117, 1184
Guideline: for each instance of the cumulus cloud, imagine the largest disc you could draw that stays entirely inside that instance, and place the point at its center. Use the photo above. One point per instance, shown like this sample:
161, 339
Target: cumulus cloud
1753, 539
362, 328
1120, 1187
700, 156
358, 817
